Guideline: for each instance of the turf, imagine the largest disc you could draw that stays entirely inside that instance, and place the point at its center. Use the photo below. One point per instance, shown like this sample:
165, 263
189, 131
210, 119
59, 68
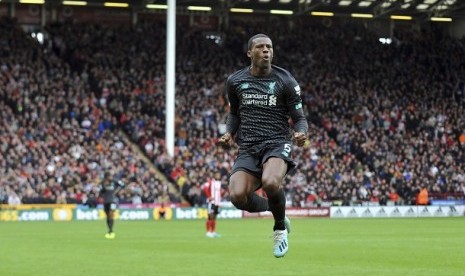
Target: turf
413, 246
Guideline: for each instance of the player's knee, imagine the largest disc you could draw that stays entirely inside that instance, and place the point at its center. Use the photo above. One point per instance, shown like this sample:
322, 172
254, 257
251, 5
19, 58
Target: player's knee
239, 200
271, 183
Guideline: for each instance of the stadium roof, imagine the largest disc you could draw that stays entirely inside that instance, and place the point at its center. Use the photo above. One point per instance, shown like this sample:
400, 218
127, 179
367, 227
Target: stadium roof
377, 8
427, 8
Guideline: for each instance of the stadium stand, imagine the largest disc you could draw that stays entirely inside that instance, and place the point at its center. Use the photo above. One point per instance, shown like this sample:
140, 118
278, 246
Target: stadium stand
57, 137
386, 119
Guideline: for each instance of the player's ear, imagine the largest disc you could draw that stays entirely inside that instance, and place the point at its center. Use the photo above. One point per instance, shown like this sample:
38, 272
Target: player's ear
249, 53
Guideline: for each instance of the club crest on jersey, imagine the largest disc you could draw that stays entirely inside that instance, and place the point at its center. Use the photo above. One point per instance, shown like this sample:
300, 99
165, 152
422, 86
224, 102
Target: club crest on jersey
244, 86
271, 87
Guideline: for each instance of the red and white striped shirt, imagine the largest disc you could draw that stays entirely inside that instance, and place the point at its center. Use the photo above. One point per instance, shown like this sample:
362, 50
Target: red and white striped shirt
212, 189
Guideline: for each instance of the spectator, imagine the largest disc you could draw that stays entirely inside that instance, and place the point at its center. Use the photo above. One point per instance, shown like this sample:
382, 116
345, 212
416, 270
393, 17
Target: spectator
422, 197
13, 199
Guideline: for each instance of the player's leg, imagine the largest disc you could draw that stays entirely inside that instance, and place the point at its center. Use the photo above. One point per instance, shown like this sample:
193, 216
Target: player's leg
213, 218
208, 223
245, 180
274, 170
109, 219
287, 223
111, 216
277, 163
242, 186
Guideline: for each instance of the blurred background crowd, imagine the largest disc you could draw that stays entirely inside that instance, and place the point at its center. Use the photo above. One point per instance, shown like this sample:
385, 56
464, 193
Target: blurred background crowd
386, 120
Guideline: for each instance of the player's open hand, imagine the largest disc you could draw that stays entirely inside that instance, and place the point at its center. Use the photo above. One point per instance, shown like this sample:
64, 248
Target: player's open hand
226, 141
300, 138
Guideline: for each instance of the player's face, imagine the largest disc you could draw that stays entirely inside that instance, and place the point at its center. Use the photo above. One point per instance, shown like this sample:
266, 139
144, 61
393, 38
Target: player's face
261, 52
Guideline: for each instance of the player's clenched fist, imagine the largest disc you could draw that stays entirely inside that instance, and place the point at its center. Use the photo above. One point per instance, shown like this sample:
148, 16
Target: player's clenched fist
226, 141
299, 138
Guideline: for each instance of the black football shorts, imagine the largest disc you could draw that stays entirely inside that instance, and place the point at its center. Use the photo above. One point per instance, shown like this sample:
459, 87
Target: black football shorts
212, 208
251, 159
107, 207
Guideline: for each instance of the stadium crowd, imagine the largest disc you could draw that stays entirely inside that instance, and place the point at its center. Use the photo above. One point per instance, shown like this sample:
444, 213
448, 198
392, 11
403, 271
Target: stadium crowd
57, 139
386, 119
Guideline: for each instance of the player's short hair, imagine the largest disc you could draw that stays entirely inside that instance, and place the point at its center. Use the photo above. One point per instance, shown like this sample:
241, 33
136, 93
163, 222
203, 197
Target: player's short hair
249, 44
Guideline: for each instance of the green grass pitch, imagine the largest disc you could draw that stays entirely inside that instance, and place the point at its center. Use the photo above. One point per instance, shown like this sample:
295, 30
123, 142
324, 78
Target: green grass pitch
410, 246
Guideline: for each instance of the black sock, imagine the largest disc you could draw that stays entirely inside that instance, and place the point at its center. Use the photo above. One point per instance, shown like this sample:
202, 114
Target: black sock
277, 205
110, 225
256, 203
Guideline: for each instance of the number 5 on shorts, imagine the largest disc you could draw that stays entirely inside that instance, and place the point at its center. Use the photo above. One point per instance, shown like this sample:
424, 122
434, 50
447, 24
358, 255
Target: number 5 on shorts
286, 150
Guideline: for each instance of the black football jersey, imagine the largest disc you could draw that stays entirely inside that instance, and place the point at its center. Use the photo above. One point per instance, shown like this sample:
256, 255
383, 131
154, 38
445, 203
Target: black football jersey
264, 105
108, 189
